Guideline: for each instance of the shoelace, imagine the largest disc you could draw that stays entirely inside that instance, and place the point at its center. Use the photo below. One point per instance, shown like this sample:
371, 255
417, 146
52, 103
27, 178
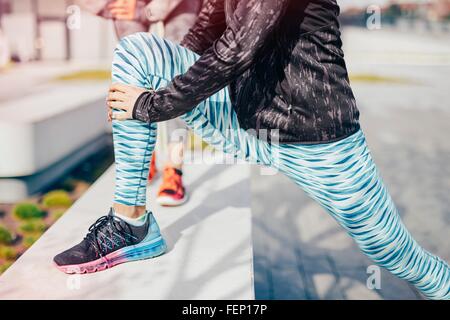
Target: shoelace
105, 223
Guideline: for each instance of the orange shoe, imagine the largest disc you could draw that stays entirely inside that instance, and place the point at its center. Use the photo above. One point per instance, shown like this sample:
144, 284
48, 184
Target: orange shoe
152, 171
171, 193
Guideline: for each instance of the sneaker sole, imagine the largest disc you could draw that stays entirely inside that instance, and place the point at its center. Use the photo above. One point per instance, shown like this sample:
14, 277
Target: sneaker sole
140, 251
166, 201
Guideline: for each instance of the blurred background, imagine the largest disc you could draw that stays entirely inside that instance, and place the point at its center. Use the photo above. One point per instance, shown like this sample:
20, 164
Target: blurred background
55, 141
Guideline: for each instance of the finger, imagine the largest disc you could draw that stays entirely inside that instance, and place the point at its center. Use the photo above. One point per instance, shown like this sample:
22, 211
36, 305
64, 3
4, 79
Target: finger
119, 105
115, 87
110, 115
118, 87
116, 96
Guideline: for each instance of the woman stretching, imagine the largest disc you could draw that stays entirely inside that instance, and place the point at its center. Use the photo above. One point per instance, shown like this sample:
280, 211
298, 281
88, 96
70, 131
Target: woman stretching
264, 80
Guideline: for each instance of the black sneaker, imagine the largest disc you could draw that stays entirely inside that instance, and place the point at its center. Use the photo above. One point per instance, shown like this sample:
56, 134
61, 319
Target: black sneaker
112, 241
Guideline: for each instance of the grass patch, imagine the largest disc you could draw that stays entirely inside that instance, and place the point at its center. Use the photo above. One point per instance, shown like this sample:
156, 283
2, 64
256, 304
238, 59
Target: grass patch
57, 199
6, 237
33, 226
8, 253
25, 211
373, 78
86, 75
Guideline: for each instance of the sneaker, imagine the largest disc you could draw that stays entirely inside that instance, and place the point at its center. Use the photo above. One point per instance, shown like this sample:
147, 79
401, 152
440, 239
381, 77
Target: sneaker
112, 241
171, 192
152, 171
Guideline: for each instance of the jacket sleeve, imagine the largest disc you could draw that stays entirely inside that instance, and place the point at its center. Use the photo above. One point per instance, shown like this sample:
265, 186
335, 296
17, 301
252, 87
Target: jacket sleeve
208, 27
229, 56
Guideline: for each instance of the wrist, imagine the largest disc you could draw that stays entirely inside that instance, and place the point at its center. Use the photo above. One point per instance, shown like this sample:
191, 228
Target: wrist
142, 105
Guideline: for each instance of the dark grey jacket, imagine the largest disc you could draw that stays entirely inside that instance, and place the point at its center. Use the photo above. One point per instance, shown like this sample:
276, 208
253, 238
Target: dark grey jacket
282, 61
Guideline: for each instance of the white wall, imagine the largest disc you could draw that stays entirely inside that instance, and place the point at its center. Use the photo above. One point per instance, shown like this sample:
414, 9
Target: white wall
53, 40
94, 40
21, 6
19, 30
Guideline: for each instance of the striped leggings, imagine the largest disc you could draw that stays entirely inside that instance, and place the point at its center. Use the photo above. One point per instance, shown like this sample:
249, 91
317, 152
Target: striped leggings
341, 176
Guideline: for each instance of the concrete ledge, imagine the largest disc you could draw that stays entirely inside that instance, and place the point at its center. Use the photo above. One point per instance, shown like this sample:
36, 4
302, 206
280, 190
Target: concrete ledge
39, 130
210, 252
17, 188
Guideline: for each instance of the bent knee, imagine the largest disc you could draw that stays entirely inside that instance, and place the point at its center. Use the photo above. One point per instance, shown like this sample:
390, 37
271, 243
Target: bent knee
146, 50
138, 40
134, 60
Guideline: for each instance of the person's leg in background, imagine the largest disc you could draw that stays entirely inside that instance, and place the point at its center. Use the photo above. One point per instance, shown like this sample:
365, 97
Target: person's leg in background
172, 191
177, 138
342, 177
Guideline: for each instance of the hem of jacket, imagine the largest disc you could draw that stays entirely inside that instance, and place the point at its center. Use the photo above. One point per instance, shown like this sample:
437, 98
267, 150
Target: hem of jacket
302, 142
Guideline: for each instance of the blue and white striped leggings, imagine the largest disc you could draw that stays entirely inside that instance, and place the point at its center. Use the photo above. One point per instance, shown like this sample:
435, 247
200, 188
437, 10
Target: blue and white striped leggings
341, 176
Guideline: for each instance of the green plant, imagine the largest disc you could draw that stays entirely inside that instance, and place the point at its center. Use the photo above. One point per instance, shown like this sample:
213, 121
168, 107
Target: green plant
27, 211
34, 225
6, 236
7, 253
57, 199
5, 266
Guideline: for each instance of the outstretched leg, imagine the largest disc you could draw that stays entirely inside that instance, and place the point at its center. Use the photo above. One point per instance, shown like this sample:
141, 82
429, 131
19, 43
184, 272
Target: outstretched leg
343, 178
